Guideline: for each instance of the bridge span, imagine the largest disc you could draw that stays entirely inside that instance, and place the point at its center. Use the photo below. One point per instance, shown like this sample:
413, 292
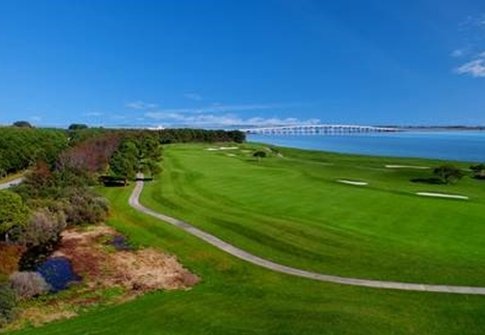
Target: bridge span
316, 129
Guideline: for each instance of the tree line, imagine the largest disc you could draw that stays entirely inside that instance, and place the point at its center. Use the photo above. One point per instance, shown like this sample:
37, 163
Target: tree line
21, 147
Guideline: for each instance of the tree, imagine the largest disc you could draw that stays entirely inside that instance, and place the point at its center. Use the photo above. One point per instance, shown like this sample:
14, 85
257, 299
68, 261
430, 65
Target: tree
22, 124
124, 162
478, 171
77, 126
13, 213
448, 173
259, 154
23, 147
91, 155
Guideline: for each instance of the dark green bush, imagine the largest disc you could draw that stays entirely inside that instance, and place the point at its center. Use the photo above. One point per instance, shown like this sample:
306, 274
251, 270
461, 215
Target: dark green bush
84, 207
8, 304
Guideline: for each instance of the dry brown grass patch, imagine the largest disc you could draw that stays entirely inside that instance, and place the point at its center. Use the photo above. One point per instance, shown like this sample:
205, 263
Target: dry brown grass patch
137, 271
9, 258
109, 276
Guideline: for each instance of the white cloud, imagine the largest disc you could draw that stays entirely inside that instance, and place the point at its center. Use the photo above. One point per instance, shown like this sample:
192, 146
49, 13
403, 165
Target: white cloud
193, 96
140, 105
36, 118
473, 39
474, 68
223, 120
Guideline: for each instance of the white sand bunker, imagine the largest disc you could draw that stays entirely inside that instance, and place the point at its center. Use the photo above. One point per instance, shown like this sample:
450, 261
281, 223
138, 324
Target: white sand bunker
230, 155
442, 195
391, 166
352, 182
222, 148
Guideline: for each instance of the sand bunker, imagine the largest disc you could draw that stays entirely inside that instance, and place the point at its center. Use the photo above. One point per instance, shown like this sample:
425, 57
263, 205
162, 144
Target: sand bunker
222, 148
352, 182
442, 195
390, 166
230, 155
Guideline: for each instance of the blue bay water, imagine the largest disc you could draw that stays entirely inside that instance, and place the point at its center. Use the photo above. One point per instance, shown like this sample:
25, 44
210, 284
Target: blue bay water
459, 145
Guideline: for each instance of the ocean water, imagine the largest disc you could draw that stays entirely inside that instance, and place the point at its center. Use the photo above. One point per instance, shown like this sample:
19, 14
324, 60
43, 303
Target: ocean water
457, 145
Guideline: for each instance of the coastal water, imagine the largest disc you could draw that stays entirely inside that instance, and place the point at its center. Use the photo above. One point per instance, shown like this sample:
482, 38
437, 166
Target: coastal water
458, 145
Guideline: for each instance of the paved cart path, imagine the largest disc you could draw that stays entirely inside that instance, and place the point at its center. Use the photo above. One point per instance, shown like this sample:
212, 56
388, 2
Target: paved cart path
246, 256
11, 183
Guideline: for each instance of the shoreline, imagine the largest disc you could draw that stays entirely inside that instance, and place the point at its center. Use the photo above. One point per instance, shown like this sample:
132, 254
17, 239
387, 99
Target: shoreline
455, 147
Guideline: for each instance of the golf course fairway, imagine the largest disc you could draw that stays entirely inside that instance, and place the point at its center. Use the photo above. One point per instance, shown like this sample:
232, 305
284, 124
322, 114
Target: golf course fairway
290, 208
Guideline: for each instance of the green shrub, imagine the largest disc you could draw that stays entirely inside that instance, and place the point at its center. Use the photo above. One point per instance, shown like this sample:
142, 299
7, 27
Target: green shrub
44, 226
13, 213
448, 173
8, 304
84, 207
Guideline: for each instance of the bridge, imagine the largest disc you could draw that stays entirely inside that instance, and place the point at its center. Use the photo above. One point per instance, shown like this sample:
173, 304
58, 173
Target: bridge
318, 129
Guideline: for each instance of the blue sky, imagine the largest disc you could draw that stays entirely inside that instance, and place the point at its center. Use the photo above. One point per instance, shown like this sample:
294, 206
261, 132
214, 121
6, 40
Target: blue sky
219, 63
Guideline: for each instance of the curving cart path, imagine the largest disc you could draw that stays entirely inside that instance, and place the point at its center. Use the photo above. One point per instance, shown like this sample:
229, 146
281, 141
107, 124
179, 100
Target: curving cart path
246, 256
11, 183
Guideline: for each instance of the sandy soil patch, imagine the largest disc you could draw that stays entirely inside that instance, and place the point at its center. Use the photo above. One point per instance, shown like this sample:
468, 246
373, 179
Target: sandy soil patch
352, 182
416, 167
442, 195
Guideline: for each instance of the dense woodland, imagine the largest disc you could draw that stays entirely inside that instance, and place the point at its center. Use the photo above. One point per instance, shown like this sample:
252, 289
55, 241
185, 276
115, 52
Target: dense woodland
21, 147
56, 192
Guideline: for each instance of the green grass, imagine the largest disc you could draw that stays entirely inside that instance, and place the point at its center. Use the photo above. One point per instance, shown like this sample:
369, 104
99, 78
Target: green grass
293, 211
286, 209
